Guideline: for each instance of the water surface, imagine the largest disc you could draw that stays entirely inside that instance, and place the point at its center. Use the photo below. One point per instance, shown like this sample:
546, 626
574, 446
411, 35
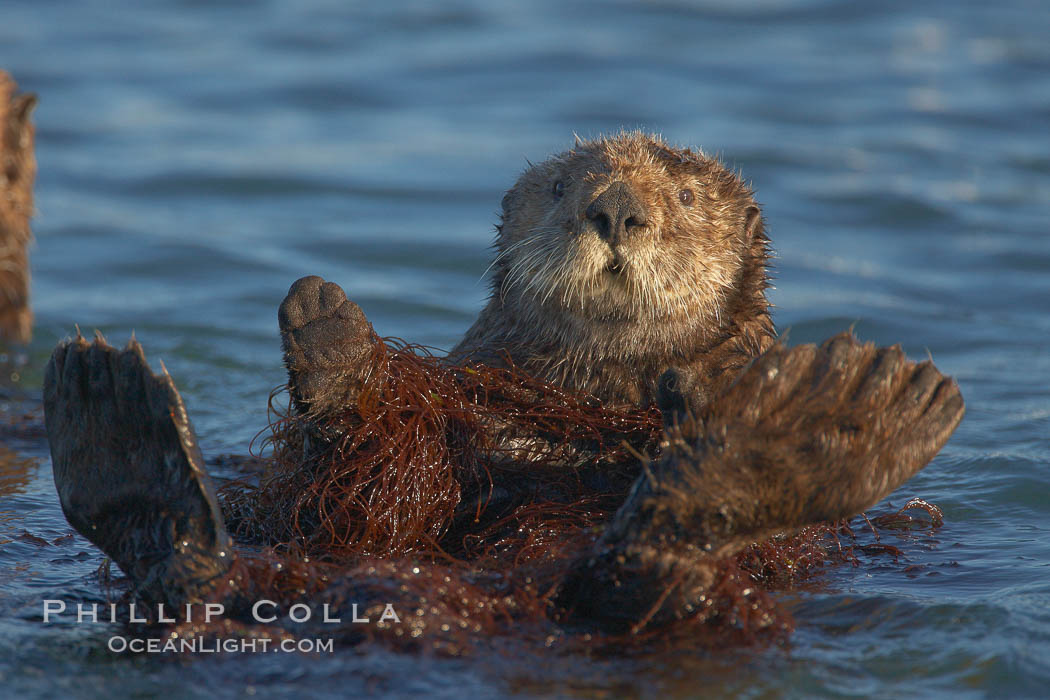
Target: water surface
197, 157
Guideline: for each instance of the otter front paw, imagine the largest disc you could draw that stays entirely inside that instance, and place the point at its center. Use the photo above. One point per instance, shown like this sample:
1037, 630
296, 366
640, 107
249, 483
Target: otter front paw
327, 344
680, 392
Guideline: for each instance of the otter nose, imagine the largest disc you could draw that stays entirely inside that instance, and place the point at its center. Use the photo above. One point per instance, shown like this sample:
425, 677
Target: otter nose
616, 211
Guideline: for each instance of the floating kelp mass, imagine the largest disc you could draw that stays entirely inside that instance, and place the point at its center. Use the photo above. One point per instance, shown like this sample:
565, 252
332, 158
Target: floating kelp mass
463, 496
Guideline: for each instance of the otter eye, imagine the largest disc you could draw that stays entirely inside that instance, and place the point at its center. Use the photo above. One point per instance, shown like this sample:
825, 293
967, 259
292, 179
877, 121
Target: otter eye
558, 189
686, 197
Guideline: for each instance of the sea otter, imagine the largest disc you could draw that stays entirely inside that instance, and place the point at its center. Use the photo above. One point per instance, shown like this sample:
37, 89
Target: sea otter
630, 273
17, 172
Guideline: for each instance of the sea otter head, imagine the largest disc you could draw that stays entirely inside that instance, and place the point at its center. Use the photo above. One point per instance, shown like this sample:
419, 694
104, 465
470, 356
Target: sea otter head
628, 242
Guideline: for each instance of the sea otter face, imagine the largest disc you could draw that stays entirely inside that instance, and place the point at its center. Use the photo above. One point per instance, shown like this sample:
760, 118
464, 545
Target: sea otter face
625, 230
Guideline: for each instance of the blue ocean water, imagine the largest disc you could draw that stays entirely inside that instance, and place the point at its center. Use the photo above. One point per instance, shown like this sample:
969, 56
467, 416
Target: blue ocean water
197, 157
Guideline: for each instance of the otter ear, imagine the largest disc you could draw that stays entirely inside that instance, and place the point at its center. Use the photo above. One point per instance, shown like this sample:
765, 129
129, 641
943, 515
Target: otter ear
752, 223
510, 199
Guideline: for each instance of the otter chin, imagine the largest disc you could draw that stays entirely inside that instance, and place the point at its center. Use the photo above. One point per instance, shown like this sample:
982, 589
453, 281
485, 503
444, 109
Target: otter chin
620, 258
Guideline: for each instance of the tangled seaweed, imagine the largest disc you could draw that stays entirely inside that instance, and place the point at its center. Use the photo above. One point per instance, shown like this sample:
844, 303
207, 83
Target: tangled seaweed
463, 494
396, 473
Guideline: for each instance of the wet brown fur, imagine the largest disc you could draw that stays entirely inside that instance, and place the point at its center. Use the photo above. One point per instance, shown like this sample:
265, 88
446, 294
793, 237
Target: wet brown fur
17, 173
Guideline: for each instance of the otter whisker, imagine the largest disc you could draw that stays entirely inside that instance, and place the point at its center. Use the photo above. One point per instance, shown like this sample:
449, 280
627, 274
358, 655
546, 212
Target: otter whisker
502, 255
541, 248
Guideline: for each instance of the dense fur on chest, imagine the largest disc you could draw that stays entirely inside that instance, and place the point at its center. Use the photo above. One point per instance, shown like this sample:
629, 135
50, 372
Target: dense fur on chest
620, 259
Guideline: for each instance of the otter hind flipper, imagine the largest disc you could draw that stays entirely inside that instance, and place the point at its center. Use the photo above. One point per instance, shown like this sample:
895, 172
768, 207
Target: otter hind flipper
128, 469
804, 435
327, 343
821, 433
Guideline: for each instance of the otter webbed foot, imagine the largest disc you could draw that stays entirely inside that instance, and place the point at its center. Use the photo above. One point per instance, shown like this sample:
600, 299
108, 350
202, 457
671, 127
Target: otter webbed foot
327, 343
128, 470
803, 435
